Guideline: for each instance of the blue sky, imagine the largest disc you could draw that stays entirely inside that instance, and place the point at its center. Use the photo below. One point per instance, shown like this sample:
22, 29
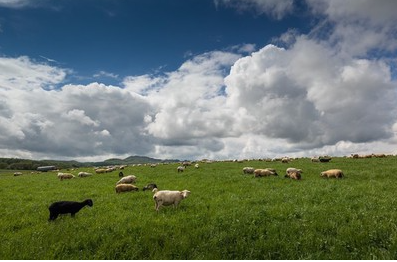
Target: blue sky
191, 79
132, 37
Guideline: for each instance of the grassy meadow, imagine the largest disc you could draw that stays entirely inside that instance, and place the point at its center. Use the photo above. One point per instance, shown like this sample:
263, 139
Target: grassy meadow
227, 216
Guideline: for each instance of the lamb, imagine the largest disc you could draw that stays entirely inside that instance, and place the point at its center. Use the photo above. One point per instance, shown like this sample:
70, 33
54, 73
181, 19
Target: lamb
126, 188
291, 170
65, 207
180, 168
84, 174
167, 197
127, 180
337, 173
150, 187
63, 176
265, 172
248, 170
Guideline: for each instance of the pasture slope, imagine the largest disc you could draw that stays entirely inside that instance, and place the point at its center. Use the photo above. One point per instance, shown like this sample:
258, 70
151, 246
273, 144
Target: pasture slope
227, 216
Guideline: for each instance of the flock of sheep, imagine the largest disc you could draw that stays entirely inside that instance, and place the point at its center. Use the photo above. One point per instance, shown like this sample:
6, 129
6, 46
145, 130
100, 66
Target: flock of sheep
166, 197
291, 172
125, 184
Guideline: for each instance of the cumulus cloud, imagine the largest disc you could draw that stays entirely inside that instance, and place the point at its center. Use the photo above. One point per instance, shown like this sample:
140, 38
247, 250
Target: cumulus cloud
318, 94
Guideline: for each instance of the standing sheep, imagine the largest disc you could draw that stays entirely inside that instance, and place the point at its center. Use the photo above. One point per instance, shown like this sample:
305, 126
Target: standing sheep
180, 169
168, 197
125, 188
336, 173
66, 207
248, 170
127, 180
63, 176
265, 172
84, 174
297, 173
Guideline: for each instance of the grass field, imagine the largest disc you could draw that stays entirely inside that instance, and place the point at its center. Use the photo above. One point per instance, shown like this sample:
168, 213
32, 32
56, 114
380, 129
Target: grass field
227, 216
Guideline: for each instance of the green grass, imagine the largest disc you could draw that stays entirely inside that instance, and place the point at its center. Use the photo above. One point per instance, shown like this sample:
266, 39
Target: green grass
227, 216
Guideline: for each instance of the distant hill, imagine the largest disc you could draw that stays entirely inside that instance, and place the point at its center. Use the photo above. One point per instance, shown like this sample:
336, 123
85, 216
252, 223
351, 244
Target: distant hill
134, 160
28, 164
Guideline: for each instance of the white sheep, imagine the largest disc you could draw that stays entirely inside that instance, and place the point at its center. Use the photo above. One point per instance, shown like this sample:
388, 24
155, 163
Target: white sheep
168, 197
127, 180
196, 165
337, 173
265, 172
180, 168
248, 170
292, 170
125, 188
63, 176
84, 174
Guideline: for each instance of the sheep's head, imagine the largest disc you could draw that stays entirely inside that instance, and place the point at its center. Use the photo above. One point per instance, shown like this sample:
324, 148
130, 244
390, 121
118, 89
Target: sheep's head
185, 193
89, 202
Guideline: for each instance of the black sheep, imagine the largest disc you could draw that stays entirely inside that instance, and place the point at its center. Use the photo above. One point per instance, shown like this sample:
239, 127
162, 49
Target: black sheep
150, 186
66, 207
121, 174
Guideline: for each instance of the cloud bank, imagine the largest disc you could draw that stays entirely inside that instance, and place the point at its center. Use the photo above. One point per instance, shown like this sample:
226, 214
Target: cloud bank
316, 95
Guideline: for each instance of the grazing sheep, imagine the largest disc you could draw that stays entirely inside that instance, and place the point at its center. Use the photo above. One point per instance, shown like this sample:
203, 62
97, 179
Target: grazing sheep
167, 197
18, 174
196, 165
127, 180
265, 172
150, 187
337, 173
84, 174
121, 174
66, 207
291, 170
100, 170
125, 188
63, 176
315, 159
295, 175
248, 170
180, 169
285, 160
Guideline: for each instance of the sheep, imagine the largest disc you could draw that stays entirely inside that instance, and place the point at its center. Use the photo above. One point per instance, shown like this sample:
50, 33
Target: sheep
294, 175
168, 197
248, 170
84, 174
127, 180
196, 166
315, 159
285, 160
63, 176
18, 174
150, 187
100, 170
337, 173
125, 188
121, 174
291, 170
180, 168
65, 207
265, 172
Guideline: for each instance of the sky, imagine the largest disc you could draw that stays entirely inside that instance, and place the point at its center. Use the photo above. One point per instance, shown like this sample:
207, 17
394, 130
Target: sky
90, 80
